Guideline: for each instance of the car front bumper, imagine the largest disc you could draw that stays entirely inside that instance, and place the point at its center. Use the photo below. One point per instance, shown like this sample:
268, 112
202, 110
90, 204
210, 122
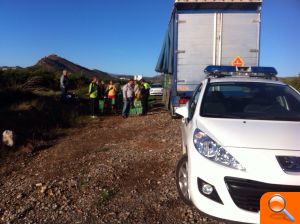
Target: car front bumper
239, 191
156, 93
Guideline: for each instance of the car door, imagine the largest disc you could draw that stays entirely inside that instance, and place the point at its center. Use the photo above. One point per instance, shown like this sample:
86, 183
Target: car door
188, 125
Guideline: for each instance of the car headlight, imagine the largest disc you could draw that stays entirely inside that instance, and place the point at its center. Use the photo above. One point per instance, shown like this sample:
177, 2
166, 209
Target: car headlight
213, 151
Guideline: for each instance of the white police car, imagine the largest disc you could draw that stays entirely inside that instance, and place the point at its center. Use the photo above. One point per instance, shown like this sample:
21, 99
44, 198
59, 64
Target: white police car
240, 138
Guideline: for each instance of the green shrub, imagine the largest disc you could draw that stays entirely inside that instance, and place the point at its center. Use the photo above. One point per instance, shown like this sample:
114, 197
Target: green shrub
18, 77
77, 81
13, 78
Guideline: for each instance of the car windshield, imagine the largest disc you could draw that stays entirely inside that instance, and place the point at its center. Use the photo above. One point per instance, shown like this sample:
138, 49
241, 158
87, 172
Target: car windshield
156, 86
251, 100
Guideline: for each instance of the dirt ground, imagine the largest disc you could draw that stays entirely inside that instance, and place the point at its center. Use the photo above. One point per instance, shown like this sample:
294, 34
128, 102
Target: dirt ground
106, 170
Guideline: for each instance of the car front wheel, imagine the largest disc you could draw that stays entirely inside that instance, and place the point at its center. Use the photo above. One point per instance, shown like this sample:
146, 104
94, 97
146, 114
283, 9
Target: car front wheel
182, 180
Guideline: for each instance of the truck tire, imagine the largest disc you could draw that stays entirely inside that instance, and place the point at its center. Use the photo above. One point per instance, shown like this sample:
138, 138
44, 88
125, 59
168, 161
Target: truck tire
182, 180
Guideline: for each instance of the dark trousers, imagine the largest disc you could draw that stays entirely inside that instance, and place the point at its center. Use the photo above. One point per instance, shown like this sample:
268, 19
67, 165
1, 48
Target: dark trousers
94, 106
144, 101
64, 92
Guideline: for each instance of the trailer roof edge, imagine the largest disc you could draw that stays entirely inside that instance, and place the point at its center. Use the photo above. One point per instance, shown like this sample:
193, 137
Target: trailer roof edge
219, 1
218, 5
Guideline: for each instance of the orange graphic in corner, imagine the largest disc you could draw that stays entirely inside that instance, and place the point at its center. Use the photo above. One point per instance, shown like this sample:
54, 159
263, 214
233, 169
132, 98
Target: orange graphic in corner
238, 62
281, 207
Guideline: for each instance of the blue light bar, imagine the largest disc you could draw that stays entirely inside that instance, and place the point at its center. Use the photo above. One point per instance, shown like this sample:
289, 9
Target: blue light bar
213, 69
265, 70
219, 69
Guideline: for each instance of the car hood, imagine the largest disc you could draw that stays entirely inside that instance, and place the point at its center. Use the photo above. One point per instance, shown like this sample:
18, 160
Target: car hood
279, 135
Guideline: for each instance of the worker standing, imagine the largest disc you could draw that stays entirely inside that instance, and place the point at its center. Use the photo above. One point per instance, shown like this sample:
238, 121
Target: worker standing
128, 94
101, 89
111, 94
93, 94
64, 85
137, 92
145, 92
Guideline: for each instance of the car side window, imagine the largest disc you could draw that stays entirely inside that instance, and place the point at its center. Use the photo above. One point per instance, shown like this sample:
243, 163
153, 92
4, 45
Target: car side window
193, 101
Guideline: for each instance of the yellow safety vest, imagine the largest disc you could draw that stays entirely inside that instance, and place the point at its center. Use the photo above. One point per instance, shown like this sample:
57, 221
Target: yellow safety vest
146, 85
93, 91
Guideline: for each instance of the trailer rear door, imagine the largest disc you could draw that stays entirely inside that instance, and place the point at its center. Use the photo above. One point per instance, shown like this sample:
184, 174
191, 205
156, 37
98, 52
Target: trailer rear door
195, 48
214, 38
240, 37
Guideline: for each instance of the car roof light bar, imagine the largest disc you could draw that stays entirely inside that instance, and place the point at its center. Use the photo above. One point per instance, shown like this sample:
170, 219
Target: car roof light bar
256, 72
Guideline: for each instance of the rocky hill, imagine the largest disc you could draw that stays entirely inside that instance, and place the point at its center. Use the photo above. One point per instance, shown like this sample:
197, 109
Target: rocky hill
55, 63
156, 79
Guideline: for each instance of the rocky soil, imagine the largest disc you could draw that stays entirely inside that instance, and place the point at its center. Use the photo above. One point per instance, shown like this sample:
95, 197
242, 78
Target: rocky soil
107, 170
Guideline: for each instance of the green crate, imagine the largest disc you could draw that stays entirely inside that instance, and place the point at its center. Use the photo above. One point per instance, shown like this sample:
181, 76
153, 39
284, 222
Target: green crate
132, 111
138, 103
139, 111
135, 111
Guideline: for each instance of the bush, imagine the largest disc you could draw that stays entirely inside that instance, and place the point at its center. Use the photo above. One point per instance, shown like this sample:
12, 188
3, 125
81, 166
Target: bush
30, 114
13, 78
77, 81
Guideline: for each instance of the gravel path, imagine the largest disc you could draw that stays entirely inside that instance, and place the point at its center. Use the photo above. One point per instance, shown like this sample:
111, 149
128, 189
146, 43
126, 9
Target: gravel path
109, 170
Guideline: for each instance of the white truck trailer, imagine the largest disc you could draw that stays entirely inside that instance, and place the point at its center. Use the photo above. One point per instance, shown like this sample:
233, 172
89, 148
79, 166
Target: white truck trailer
207, 32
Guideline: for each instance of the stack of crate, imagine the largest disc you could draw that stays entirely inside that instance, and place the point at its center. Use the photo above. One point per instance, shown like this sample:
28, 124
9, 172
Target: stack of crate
137, 109
105, 107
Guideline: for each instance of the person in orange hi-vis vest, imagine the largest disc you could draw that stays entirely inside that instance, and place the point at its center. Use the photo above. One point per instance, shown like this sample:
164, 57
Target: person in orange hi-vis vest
111, 94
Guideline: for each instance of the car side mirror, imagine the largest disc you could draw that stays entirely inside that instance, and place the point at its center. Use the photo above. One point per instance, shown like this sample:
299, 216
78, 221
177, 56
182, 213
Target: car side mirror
183, 112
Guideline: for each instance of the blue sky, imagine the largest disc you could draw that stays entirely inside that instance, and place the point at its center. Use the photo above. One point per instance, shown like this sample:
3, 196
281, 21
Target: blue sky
124, 36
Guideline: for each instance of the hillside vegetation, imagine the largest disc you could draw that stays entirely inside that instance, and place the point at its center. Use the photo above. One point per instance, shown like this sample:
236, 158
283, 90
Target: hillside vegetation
38, 79
293, 81
30, 105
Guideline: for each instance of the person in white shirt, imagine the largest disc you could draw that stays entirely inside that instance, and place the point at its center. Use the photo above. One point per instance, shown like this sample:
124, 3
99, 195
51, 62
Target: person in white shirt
128, 94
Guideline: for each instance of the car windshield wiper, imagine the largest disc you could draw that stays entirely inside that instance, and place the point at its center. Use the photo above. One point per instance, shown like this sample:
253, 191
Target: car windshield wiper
221, 116
276, 117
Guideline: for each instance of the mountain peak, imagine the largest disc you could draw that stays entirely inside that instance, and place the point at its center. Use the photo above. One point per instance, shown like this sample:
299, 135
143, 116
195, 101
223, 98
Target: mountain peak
56, 63
53, 56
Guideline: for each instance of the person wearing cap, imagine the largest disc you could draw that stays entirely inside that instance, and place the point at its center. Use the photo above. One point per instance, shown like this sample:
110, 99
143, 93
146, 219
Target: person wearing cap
93, 94
128, 94
145, 92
